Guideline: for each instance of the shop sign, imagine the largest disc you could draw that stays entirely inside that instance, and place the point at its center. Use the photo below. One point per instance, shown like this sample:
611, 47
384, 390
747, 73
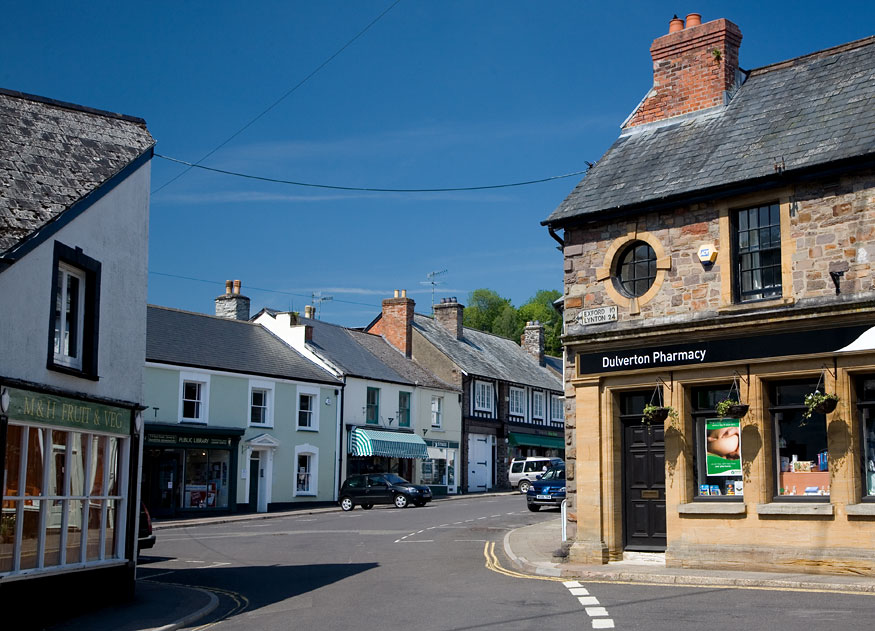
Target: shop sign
441, 444
65, 412
720, 350
187, 441
597, 315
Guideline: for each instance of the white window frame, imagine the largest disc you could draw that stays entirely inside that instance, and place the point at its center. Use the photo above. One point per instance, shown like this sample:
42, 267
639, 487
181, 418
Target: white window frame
557, 409
517, 402
537, 404
267, 387
204, 380
437, 415
62, 356
313, 453
484, 396
314, 395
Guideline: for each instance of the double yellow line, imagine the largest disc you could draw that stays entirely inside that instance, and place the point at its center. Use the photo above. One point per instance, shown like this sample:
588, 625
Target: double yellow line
493, 564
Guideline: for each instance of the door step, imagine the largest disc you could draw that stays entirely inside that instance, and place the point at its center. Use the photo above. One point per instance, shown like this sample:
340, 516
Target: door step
641, 558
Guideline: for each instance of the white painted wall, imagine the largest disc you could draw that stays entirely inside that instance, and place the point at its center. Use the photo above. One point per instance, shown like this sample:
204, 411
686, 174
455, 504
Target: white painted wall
114, 231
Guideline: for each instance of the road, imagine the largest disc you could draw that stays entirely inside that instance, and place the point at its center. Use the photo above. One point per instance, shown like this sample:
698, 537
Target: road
442, 568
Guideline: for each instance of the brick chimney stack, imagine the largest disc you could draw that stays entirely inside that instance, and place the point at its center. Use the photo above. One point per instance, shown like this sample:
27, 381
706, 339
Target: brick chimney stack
695, 67
449, 315
233, 305
533, 341
397, 322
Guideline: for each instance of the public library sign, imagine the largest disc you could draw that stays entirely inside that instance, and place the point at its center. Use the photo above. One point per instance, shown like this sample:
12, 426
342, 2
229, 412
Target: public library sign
719, 350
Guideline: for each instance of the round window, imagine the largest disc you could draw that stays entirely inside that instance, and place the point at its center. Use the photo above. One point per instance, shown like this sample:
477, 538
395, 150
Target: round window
636, 269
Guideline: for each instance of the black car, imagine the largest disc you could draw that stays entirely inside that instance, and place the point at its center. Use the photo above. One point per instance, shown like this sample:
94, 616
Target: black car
145, 538
381, 488
548, 489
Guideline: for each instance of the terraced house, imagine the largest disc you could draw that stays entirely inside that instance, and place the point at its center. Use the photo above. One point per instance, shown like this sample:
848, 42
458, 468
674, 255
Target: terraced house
723, 248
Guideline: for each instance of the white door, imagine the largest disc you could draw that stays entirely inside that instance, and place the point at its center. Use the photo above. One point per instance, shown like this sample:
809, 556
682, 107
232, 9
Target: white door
479, 462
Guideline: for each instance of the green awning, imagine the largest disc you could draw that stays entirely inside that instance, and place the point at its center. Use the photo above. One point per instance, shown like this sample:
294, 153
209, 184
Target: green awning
369, 442
533, 440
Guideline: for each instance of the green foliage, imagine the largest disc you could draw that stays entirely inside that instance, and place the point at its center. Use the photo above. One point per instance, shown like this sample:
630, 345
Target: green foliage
487, 311
650, 411
815, 399
723, 406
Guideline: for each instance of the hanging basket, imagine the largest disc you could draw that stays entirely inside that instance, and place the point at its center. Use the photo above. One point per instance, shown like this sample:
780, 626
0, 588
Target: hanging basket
738, 410
826, 406
657, 415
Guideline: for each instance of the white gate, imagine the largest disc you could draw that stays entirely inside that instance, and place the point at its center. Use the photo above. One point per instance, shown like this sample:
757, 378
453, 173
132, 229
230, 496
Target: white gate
479, 462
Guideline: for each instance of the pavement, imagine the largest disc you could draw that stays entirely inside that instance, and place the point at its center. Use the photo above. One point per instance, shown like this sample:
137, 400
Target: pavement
536, 550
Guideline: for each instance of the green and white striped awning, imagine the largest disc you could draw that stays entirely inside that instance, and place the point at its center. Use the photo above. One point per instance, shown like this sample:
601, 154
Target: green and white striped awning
368, 442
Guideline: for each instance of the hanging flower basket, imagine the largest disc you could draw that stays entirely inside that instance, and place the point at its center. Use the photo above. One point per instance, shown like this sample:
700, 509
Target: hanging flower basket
730, 408
655, 414
820, 403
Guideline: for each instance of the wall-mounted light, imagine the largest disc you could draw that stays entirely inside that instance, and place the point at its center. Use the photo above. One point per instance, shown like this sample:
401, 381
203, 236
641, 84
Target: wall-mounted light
327, 400
4, 400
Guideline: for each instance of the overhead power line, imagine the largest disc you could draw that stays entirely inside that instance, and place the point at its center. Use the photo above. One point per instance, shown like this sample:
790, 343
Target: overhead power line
337, 187
279, 100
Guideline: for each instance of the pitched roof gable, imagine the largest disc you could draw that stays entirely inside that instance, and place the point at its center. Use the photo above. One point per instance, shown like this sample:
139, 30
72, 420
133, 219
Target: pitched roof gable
488, 355
795, 115
184, 338
54, 154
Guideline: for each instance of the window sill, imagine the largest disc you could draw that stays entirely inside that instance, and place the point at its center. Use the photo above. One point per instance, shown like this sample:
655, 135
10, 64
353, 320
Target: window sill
712, 508
307, 429
304, 494
261, 425
787, 508
756, 305
861, 510
192, 421
75, 372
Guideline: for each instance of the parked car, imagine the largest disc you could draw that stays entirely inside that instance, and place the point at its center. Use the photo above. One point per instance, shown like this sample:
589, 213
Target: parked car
382, 488
547, 490
524, 470
145, 537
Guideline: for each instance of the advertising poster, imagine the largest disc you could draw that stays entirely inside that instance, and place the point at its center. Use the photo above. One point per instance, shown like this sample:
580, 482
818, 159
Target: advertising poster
723, 446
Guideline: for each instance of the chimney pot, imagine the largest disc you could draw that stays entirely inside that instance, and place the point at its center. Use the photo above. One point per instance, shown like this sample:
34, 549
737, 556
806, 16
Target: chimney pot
308, 311
675, 25
228, 287
694, 19
396, 293
404, 293
232, 305
236, 286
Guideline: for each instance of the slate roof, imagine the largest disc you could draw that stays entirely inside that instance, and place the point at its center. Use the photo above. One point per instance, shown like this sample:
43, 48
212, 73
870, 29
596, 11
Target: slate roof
488, 355
396, 360
337, 345
802, 113
53, 154
197, 340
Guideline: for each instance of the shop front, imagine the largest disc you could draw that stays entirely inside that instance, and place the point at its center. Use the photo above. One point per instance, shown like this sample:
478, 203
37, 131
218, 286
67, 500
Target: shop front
439, 470
384, 451
775, 483
190, 469
529, 442
69, 481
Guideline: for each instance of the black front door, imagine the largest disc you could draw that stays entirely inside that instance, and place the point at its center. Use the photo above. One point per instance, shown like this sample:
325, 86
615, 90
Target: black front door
644, 485
254, 475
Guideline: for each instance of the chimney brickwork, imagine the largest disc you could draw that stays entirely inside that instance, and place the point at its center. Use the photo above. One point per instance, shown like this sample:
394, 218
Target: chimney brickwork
232, 305
449, 315
693, 69
397, 322
533, 341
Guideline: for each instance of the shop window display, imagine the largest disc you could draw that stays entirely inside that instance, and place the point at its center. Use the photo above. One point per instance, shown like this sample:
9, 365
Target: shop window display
866, 403
800, 444
206, 478
717, 456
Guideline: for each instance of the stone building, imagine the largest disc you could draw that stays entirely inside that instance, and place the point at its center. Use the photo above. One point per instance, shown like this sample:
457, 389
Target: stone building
721, 249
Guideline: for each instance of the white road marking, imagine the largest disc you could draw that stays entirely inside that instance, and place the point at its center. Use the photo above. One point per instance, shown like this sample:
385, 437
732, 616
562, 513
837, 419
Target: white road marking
572, 584
579, 591
419, 541
588, 600
596, 611
602, 623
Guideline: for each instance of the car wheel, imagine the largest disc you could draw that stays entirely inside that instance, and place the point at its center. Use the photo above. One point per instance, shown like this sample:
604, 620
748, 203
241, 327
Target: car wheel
367, 506
346, 503
534, 508
525, 485
401, 501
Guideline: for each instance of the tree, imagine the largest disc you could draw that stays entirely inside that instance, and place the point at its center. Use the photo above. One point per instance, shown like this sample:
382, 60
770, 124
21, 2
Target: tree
540, 308
484, 306
487, 311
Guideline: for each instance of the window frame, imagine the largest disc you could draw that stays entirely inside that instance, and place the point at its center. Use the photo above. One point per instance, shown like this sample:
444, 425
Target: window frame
621, 283
773, 291
516, 402
372, 407
267, 388
484, 396
538, 404
866, 411
204, 380
313, 394
312, 454
699, 416
556, 405
404, 413
67, 261
437, 415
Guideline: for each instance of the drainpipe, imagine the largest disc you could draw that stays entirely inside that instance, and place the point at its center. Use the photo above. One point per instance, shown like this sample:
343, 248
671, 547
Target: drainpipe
339, 442
559, 239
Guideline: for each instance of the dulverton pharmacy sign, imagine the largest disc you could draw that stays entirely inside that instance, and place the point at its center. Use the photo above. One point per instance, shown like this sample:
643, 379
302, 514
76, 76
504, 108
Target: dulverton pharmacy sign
720, 350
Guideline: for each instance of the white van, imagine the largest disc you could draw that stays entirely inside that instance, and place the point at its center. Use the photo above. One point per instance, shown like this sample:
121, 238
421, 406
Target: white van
525, 470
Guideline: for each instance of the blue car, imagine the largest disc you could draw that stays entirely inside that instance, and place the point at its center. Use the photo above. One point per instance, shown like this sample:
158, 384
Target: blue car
548, 489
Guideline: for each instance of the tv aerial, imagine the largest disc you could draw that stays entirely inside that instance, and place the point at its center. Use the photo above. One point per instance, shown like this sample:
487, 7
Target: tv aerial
431, 281
318, 299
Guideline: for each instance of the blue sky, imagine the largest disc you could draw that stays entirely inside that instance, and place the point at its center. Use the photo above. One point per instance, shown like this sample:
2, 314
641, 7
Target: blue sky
435, 94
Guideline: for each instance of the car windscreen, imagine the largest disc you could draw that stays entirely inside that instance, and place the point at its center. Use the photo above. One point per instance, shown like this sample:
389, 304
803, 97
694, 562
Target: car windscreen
394, 479
556, 473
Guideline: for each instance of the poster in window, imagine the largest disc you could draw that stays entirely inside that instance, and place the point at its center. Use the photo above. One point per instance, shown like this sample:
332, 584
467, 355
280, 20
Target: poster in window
723, 446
